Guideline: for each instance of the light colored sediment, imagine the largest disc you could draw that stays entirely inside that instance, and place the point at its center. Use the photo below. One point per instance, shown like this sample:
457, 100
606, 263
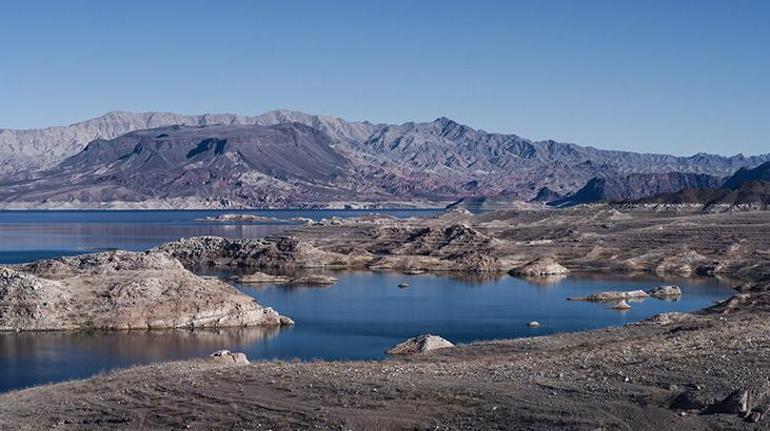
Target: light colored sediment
420, 344
121, 290
707, 370
549, 241
676, 371
261, 277
540, 267
612, 296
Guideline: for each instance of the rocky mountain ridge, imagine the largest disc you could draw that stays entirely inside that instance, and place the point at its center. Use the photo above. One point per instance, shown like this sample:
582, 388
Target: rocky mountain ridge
437, 161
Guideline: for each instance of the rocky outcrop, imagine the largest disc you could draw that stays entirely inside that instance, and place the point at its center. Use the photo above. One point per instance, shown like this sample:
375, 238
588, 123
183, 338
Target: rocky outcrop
261, 277
313, 280
665, 292
280, 253
540, 267
288, 159
420, 344
612, 296
121, 290
635, 186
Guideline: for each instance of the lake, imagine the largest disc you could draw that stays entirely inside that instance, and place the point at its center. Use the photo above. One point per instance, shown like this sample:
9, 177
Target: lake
359, 317
29, 235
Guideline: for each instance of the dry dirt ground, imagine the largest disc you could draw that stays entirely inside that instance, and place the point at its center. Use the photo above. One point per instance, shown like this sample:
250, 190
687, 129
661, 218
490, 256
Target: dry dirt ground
625, 378
672, 372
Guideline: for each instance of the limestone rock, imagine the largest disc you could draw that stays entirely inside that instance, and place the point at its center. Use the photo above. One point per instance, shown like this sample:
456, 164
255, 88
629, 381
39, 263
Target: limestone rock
121, 290
665, 292
612, 295
261, 277
228, 357
420, 344
622, 305
314, 280
540, 267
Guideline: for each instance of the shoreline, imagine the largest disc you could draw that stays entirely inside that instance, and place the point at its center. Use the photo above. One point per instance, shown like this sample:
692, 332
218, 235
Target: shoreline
616, 371
672, 370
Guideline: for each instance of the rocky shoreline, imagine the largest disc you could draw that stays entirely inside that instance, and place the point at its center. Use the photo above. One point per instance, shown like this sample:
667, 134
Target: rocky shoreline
122, 290
704, 370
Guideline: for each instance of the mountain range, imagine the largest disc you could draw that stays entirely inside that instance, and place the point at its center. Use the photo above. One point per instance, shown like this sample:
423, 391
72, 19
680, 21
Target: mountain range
288, 158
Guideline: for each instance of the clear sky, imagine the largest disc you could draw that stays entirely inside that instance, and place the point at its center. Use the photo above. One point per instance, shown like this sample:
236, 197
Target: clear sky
655, 76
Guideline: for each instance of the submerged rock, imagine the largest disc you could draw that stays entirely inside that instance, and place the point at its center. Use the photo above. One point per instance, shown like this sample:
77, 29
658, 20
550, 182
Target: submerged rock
228, 357
540, 267
420, 344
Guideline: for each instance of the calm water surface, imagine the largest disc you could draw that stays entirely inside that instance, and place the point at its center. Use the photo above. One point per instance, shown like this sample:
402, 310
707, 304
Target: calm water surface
357, 318
31, 235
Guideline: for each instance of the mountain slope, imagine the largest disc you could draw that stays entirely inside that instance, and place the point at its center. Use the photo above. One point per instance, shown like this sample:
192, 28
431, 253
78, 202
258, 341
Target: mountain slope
745, 175
252, 165
751, 195
440, 160
635, 186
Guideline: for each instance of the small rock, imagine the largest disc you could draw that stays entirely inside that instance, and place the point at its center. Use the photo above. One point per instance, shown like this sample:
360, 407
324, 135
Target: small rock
228, 357
622, 305
286, 321
403, 285
533, 324
420, 344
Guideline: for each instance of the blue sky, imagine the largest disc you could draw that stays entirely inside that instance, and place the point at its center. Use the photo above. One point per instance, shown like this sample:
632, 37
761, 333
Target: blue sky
655, 76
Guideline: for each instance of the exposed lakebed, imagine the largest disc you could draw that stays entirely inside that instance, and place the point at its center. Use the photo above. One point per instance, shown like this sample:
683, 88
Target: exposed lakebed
359, 317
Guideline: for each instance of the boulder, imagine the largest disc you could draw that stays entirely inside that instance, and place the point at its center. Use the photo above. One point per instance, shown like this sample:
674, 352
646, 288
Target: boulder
665, 292
540, 267
622, 305
420, 344
228, 357
286, 321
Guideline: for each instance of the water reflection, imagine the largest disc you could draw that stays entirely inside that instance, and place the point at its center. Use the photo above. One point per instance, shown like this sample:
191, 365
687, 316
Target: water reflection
32, 358
359, 317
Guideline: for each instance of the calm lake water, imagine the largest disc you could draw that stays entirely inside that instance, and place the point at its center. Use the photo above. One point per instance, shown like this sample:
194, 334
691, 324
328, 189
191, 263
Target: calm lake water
359, 317
31, 235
